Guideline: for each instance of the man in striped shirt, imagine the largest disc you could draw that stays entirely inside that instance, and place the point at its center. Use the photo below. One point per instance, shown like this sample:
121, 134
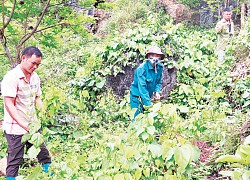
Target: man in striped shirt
21, 94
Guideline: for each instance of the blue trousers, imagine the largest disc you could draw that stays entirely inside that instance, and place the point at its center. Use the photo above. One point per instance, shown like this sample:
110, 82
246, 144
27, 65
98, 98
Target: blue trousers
135, 102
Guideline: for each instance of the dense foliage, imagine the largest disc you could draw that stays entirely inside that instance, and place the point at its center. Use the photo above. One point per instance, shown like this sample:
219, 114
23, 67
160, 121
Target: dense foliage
88, 130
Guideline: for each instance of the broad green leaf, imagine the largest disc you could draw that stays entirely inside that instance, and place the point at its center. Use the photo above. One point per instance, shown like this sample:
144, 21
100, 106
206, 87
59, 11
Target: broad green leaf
156, 149
236, 175
35, 173
146, 172
128, 176
246, 94
182, 157
34, 126
85, 93
217, 95
245, 149
129, 152
157, 162
144, 136
156, 107
246, 175
247, 103
139, 131
183, 109
247, 140
91, 83
100, 84
181, 140
228, 158
246, 160
197, 153
167, 152
186, 89
26, 137
33, 152
119, 177
151, 130
138, 174
36, 139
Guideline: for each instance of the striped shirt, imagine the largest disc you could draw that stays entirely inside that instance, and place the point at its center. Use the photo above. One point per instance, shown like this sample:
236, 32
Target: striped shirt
15, 85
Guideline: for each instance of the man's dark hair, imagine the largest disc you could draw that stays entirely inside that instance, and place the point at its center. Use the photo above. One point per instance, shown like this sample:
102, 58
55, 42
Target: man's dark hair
227, 9
30, 50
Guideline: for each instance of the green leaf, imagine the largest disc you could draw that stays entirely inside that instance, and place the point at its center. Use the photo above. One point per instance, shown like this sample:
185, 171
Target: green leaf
91, 83
26, 137
35, 173
85, 93
228, 158
245, 149
167, 152
138, 174
157, 107
183, 109
33, 152
156, 149
236, 175
36, 139
246, 175
182, 156
144, 136
34, 126
146, 172
247, 140
217, 95
119, 177
139, 131
151, 130
100, 84
128, 176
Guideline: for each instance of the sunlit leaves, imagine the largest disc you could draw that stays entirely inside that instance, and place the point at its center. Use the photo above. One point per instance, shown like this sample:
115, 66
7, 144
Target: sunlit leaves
36, 139
33, 152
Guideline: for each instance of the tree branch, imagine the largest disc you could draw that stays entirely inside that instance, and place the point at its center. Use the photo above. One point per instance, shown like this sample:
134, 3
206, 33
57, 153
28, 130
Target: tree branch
49, 27
27, 36
11, 14
3, 12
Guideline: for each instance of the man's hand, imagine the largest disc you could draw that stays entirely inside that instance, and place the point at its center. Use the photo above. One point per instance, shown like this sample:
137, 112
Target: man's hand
157, 96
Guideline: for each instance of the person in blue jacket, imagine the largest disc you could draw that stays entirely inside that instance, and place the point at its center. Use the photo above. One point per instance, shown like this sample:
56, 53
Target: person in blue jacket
147, 81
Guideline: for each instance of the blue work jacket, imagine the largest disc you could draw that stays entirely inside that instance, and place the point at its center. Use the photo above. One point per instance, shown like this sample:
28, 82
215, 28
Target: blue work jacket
146, 81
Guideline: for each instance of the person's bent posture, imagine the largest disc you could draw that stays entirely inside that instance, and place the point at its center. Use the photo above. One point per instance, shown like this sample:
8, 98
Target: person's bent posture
21, 94
147, 81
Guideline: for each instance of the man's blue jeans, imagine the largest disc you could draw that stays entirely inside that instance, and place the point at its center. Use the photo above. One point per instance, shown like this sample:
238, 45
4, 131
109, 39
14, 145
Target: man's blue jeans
135, 102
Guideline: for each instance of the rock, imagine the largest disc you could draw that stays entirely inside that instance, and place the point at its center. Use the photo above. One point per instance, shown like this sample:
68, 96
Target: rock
177, 11
120, 83
3, 165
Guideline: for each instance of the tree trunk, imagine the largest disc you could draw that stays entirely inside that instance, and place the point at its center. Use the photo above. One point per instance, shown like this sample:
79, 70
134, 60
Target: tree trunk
242, 15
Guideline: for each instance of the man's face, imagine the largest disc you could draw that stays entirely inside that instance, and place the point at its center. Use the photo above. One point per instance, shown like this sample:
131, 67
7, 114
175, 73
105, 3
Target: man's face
227, 15
30, 64
154, 58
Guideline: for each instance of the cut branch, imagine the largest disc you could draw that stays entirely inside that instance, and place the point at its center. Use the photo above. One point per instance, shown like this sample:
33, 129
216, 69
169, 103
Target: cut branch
27, 36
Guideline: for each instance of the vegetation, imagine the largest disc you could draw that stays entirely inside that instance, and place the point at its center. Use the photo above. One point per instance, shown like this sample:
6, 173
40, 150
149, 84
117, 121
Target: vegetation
88, 130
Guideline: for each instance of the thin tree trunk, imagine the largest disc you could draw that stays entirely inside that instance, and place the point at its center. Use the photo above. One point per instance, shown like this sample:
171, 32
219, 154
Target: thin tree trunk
242, 15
